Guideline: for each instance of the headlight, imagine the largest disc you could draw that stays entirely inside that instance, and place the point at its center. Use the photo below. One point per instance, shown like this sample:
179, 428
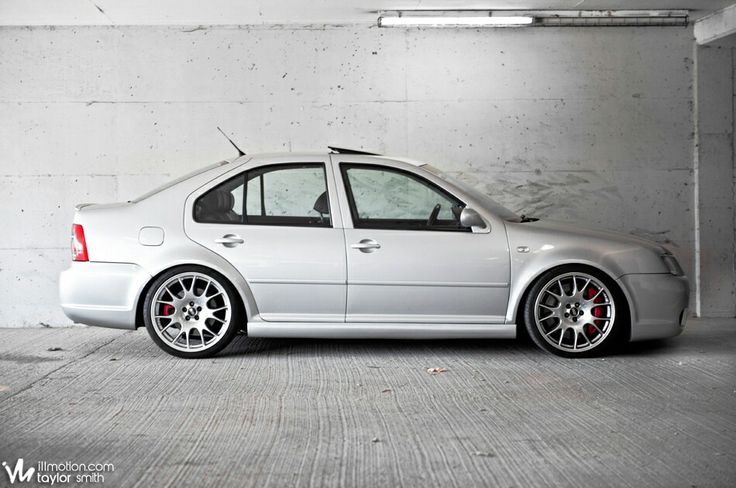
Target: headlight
671, 262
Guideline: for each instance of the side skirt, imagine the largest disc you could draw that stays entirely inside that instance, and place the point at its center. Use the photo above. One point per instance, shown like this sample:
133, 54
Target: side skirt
353, 330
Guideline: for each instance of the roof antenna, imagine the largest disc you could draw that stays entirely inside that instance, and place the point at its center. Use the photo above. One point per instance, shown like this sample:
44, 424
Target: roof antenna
240, 152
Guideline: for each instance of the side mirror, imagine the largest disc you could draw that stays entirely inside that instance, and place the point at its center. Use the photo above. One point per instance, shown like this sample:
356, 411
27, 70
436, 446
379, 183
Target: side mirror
471, 218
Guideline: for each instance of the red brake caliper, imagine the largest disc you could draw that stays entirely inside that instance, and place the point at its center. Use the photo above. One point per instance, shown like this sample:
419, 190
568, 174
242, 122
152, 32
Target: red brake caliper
596, 311
168, 309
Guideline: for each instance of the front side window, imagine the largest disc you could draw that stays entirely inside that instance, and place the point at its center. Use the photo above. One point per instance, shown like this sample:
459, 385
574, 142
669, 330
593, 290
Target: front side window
285, 194
388, 198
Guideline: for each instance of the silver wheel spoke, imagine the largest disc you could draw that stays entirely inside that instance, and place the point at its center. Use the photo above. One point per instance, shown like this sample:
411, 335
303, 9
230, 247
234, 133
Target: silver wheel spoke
559, 326
171, 293
582, 290
166, 328
595, 296
204, 327
177, 336
553, 294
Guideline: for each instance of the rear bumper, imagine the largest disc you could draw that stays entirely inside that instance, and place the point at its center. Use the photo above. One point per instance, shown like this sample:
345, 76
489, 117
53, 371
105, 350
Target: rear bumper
659, 304
102, 294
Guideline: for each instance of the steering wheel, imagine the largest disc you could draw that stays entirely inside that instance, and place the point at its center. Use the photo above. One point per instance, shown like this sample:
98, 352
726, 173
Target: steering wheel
433, 216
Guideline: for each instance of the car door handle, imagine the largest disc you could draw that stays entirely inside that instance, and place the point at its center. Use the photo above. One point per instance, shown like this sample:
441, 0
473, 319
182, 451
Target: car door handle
366, 245
230, 240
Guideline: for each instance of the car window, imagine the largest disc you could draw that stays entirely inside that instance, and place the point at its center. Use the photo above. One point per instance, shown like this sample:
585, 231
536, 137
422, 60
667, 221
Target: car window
388, 198
223, 204
285, 194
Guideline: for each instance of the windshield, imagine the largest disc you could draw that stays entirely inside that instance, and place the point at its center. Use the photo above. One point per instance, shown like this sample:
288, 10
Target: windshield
484, 199
171, 183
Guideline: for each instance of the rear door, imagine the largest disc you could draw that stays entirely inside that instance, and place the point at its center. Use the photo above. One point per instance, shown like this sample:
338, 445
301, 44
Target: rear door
409, 259
275, 222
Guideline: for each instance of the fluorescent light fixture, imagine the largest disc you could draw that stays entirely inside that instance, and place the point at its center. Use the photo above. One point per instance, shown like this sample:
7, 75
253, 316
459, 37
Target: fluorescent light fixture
532, 18
612, 18
455, 21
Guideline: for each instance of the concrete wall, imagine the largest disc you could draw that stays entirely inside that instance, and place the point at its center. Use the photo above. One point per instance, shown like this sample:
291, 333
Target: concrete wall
715, 173
590, 125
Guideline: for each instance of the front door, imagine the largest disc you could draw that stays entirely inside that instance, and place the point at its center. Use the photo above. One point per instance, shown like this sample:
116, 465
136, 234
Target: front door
273, 223
409, 259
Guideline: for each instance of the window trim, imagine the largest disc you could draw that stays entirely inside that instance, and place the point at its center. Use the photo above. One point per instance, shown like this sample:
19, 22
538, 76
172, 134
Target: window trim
359, 223
259, 172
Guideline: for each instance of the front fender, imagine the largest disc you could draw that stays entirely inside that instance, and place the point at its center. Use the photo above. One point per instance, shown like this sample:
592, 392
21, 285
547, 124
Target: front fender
538, 247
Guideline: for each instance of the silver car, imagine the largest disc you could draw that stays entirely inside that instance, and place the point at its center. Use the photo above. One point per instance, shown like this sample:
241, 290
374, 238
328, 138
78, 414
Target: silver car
356, 245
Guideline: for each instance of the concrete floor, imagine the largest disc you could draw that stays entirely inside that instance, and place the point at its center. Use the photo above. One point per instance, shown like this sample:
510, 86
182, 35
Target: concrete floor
367, 413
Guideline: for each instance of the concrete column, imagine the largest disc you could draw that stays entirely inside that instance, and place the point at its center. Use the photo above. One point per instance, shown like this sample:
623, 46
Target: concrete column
714, 180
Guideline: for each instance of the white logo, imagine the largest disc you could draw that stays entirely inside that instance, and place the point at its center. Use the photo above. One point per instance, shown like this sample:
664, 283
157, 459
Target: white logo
18, 473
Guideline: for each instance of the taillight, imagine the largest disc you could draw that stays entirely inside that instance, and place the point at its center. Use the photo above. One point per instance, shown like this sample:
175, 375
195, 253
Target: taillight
79, 244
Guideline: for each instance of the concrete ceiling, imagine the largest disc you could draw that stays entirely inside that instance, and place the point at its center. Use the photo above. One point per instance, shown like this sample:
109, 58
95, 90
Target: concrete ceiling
229, 12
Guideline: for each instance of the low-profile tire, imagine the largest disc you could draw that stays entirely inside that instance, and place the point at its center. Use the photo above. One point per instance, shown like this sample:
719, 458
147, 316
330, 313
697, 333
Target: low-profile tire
575, 311
192, 312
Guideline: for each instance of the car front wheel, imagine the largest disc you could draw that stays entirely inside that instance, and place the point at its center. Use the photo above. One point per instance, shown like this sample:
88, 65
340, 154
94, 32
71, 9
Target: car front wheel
574, 311
191, 312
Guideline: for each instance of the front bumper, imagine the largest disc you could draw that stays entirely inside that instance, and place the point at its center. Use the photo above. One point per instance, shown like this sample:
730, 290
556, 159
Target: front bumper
658, 304
102, 294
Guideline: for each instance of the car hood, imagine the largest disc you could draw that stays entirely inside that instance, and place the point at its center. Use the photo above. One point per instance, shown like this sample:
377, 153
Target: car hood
543, 244
567, 229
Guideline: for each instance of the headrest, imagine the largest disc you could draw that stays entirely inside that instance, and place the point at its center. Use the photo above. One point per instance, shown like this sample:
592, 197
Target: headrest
219, 201
322, 206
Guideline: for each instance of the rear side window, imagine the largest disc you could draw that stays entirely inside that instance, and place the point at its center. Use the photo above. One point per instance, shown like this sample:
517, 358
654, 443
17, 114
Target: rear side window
284, 194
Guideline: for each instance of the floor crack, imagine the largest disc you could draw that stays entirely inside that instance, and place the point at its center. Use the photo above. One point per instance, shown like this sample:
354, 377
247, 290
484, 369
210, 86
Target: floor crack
75, 360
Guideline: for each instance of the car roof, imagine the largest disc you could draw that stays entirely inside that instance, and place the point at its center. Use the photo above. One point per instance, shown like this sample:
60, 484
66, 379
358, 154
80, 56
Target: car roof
286, 154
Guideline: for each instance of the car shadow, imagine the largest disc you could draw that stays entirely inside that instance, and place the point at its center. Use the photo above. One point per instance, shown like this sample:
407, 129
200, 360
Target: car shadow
248, 346
243, 345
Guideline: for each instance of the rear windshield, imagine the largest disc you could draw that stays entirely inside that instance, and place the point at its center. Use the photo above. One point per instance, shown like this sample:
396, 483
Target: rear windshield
176, 181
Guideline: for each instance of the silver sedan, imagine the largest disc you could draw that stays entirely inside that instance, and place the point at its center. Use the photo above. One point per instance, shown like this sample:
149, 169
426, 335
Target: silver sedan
355, 245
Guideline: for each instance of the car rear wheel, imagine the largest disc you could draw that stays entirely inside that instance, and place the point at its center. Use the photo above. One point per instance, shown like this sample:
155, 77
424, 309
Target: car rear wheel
574, 311
191, 312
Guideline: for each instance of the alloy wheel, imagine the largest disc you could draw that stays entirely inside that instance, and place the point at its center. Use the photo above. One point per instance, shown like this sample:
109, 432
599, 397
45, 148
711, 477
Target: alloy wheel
574, 312
191, 312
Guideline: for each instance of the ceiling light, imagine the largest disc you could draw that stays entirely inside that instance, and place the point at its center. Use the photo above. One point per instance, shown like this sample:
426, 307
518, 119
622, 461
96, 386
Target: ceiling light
535, 18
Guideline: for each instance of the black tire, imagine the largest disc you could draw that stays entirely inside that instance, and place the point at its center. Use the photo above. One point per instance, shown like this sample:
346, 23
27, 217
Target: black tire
602, 332
218, 329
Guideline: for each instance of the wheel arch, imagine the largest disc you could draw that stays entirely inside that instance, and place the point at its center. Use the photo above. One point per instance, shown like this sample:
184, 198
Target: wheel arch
516, 309
245, 299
